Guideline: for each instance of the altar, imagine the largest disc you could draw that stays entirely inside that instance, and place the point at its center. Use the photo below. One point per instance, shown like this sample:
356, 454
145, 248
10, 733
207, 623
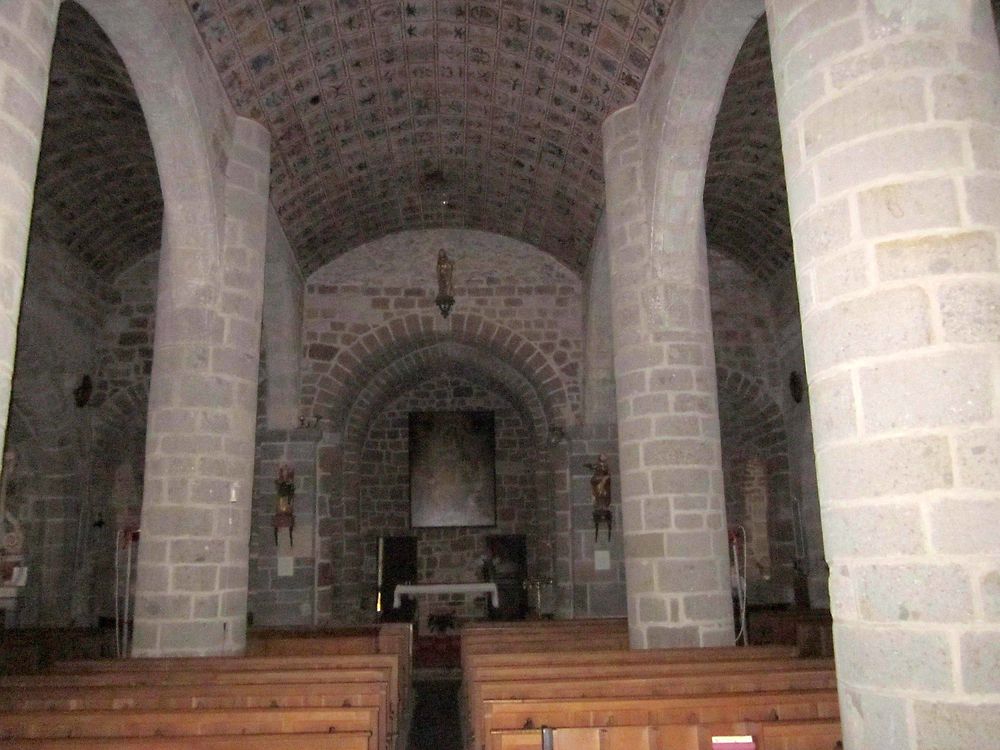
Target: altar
417, 589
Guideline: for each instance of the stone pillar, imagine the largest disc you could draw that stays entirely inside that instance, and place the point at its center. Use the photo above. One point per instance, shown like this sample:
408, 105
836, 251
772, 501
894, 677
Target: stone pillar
890, 123
191, 589
27, 30
676, 559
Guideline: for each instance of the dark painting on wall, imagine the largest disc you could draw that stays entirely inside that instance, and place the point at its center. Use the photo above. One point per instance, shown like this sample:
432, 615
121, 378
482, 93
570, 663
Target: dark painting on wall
452, 469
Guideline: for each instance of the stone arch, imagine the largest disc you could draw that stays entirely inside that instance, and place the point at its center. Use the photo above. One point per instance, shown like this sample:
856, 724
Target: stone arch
341, 566
710, 35
165, 82
355, 366
753, 430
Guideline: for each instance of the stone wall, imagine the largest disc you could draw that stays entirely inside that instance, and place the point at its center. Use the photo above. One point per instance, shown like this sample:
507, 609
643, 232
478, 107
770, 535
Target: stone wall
446, 554
754, 416
78, 469
372, 331
59, 332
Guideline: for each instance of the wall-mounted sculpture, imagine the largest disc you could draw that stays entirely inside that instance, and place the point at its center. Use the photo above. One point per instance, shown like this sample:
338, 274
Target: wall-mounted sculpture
600, 488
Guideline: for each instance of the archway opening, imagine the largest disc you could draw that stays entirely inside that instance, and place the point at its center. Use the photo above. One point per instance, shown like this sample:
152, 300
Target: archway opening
85, 333
765, 423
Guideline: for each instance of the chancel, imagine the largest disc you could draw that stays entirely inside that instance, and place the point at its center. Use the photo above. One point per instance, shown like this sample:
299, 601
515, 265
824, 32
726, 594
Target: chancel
616, 333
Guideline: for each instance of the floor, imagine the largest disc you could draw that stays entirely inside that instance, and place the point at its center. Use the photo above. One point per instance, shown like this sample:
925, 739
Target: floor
435, 724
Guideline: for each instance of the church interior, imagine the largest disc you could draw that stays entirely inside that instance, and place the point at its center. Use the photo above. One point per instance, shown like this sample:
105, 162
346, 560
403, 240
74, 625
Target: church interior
457, 329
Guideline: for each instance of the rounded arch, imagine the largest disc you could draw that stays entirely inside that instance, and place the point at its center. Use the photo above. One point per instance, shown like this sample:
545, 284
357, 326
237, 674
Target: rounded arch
166, 81
753, 433
354, 367
710, 35
423, 362
389, 373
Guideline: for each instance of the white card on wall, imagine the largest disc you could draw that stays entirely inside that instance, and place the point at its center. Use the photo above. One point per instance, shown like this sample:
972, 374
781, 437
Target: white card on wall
286, 566
602, 559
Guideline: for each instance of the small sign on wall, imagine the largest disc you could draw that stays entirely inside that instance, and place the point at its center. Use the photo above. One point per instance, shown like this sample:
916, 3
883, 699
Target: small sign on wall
286, 566
602, 559
301, 544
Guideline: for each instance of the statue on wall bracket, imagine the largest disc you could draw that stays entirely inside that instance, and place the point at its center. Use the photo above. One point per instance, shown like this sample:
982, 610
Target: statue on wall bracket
600, 488
284, 513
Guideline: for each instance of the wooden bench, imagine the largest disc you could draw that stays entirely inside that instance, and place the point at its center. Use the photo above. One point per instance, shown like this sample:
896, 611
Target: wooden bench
395, 639
216, 666
617, 686
653, 711
194, 696
822, 734
189, 722
226, 682
526, 657
313, 741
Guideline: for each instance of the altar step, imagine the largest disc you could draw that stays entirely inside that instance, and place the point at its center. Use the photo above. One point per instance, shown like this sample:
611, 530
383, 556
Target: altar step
437, 651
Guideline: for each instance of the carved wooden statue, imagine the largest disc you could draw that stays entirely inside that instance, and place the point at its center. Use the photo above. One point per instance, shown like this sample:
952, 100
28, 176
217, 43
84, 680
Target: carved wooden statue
600, 488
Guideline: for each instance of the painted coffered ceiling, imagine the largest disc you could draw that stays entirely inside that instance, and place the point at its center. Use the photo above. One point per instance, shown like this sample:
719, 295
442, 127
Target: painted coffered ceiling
389, 116
425, 113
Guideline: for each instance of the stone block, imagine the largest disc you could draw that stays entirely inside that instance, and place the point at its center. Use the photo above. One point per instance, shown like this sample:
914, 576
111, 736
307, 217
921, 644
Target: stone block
163, 606
927, 392
203, 636
970, 312
913, 593
944, 725
833, 408
891, 528
874, 720
981, 662
897, 658
888, 156
908, 206
989, 592
936, 255
709, 607
877, 324
684, 576
964, 527
194, 577
689, 544
876, 468
656, 513
877, 105
965, 98
678, 637
677, 452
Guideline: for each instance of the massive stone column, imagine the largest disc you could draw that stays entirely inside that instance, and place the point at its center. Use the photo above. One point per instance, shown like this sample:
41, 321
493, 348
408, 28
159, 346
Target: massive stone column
191, 591
890, 120
27, 30
676, 561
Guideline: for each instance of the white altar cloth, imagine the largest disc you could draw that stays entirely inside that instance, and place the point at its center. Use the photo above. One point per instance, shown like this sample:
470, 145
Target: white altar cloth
415, 589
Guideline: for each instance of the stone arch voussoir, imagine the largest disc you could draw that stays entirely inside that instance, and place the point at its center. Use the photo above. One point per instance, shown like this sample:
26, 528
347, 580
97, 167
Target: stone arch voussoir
354, 368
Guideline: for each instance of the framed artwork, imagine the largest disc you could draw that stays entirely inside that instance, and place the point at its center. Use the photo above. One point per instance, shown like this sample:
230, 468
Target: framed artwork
452, 469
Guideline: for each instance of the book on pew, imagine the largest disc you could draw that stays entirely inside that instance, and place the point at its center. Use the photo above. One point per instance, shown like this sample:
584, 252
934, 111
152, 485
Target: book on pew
734, 742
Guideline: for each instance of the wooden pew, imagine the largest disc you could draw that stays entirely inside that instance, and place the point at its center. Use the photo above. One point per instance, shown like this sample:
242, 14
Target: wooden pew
188, 722
690, 683
222, 664
543, 636
314, 741
194, 696
389, 638
820, 734
651, 711
193, 681
623, 656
